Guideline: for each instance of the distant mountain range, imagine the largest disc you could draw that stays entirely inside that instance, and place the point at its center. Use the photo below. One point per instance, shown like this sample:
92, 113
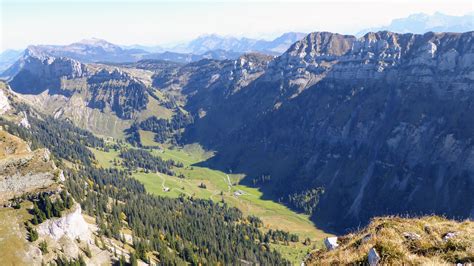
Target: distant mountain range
8, 57
421, 23
218, 47
207, 43
204, 47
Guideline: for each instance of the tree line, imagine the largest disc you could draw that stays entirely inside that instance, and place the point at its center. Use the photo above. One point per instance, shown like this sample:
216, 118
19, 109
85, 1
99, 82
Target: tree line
165, 129
136, 158
44, 208
180, 230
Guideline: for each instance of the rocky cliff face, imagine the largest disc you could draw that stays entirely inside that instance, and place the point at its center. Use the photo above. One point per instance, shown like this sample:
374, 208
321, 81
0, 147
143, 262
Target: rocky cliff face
101, 98
118, 92
208, 81
22, 170
37, 71
379, 121
381, 56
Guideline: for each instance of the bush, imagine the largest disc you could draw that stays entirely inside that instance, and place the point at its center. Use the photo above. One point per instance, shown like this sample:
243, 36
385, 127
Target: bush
43, 246
32, 234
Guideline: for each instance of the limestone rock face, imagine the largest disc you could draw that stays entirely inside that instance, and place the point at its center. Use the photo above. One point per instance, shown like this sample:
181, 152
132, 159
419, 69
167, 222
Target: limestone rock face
37, 71
71, 225
116, 91
380, 56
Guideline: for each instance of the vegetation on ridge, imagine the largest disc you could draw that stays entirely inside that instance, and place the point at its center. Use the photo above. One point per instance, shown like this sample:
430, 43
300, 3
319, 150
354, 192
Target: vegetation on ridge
429, 240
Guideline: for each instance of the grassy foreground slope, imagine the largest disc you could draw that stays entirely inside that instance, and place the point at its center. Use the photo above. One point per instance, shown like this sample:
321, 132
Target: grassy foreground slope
429, 240
12, 231
221, 186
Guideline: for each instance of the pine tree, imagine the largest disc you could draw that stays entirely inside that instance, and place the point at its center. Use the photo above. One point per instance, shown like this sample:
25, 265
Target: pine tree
33, 234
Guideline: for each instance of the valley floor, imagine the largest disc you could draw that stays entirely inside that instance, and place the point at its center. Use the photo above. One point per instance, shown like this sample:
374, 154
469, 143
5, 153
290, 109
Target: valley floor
221, 186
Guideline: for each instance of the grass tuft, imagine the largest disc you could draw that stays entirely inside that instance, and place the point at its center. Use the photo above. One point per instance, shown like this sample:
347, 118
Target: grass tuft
400, 241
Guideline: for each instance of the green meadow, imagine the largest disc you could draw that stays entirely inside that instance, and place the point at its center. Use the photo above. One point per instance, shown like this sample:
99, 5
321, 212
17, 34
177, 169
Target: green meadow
221, 186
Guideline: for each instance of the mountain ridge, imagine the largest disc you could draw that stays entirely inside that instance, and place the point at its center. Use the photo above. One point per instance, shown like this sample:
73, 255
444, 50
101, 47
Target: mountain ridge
327, 88
212, 46
341, 113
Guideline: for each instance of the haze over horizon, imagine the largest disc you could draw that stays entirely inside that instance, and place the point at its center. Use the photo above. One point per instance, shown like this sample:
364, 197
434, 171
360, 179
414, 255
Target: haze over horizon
166, 23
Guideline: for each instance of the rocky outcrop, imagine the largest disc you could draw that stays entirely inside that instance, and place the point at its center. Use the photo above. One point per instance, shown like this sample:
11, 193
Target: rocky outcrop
4, 103
373, 257
71, 225
24, 120
22, 170
331, 243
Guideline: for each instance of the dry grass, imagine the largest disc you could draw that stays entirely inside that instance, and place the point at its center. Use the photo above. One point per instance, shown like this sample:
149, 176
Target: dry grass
404, 241
11, 145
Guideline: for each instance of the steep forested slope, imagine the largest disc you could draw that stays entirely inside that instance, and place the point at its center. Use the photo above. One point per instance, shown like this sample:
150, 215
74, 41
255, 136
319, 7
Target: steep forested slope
159, 230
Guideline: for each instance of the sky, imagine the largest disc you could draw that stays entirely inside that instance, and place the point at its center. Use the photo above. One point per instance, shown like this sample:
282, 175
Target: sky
147, 22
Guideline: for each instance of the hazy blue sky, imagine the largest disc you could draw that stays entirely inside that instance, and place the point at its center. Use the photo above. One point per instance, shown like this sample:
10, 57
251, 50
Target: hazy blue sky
159, 22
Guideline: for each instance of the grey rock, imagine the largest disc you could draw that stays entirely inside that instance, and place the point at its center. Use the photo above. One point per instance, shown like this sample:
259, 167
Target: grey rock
22, 170
449, 235
24, 121
4, 103
331, 243
373, 257
411, 236
366, 238
71, 225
